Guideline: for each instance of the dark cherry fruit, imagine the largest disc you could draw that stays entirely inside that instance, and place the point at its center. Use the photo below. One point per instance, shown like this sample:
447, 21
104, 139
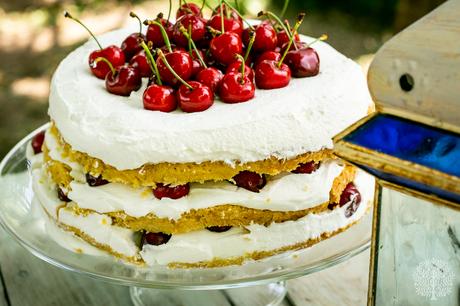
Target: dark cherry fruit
182, 64
210, 77
307, 168
225, 46
249, 180
303, 62
230, 24
94, 181
188, 9
283, 38
349, 194
166, 191
37, 142
154, 35
270, 75
197, 26
62, 196
130, 46
236, 88
196, 98
218, 229
155, 238
141, 63
123, 81
236, 67
266, 39
159, 98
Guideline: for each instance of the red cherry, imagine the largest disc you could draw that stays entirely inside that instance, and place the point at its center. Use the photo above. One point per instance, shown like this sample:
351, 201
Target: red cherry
197, 66
298, 44
230, 24
130, 46
225, 46
234, 88
166, 191
37, 142
154, 33
112, 53
94, 181
182, 64
268, 55
233, 13
218, 229
270, 76
123, 81
251, 181
350, 193
266, 39
197, 26
141, 63
283, 38
303, 62
210, 77
155, 238
236, 67
196, 99
159, 98
188, 9
62, 196
307, 168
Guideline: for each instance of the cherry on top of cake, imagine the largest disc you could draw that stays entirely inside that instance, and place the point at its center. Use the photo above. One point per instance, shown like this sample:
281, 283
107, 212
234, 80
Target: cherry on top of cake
191, 61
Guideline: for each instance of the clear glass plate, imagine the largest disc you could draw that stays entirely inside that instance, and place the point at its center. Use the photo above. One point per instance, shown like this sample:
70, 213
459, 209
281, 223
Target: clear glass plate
18, 219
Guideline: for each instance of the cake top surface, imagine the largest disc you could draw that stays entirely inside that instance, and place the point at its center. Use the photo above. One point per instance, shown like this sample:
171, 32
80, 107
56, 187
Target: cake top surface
281, 123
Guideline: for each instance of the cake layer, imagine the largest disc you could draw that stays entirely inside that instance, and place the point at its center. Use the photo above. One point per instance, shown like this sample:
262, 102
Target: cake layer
204, 248
279, 124
170, 173
285, 197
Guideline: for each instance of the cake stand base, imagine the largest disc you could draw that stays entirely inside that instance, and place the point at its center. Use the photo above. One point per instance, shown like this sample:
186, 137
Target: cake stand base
266, 295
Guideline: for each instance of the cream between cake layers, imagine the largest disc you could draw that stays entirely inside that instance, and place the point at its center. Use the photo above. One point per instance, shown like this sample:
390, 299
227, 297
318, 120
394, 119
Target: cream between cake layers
104, 154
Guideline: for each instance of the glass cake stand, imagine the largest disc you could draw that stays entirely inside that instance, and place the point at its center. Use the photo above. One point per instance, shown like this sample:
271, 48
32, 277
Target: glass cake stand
254, 283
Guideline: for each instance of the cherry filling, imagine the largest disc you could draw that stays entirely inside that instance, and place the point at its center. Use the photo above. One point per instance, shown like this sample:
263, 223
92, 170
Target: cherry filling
94, 181
37, 142
307, 168
349, 194
251, 181
62, 196
218, 229
176, 192
155, 238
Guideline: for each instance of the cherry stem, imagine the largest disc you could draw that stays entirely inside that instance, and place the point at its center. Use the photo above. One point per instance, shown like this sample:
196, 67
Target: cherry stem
288, 26
238, 13
67, 15
103, 59
252, 38
202, 6
296, 26
321, 38
237, 5
132, 14
222, 16
163, 32
163, 58
213, 31
194, 48
153, 65
243, 66
278, 21
285, 6
169, 10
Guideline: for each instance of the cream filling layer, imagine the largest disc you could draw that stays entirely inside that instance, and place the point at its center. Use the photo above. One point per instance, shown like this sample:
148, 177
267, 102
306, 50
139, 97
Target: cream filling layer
284, 192
204, 245
301, 117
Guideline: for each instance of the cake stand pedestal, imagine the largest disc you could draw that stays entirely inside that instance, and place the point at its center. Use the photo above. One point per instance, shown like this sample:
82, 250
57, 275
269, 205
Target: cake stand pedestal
262, 295
254, 283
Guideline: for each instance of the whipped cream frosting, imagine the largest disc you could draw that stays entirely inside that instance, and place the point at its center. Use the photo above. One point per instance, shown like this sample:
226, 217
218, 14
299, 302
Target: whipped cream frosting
203, 245
284, 192
283, 123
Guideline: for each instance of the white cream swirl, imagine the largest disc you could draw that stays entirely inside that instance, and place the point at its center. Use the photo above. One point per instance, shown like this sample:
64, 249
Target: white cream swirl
283, 123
